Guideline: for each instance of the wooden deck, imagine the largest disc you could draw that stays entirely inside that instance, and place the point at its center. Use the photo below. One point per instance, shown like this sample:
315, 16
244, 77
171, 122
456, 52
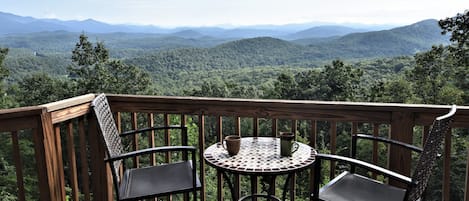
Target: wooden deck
68, 154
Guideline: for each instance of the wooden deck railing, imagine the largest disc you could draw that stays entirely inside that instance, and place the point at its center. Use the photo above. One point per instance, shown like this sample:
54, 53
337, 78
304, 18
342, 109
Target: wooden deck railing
69, 159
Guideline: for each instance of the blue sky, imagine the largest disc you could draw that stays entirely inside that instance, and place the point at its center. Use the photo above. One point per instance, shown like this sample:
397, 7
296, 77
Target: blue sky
172, 13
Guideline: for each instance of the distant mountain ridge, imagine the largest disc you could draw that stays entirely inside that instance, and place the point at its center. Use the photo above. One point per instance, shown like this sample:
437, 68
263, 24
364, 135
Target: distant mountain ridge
323, 32
405, 40
13, 24
272, 47
268, 51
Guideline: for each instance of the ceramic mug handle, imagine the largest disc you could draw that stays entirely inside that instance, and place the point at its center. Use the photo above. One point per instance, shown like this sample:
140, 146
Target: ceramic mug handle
295, 147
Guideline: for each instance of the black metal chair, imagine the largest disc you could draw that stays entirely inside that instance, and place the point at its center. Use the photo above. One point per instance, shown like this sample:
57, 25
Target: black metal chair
350, 186
145, 182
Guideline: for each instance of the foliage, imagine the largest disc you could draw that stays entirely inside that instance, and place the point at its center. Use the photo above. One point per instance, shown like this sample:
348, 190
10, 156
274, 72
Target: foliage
40, 88
430, 75
3, 71
458, 26
94, 72
85, 54
336, 82
397, 90
6, 101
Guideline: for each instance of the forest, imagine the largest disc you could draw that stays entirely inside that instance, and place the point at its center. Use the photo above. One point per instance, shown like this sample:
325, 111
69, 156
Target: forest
240, 69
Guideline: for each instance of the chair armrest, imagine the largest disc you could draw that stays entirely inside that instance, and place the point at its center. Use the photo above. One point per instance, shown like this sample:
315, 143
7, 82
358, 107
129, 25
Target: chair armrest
367, 166
133, 132
151, 150
389, 141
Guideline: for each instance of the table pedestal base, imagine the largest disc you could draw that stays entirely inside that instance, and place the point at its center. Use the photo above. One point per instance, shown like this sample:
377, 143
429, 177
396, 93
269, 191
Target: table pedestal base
271, 189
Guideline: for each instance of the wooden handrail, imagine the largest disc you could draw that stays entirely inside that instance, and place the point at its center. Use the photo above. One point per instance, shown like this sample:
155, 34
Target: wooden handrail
287, 109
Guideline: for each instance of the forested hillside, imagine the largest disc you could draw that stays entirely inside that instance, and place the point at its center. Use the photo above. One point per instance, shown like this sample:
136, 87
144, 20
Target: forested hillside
166, 57
405, 40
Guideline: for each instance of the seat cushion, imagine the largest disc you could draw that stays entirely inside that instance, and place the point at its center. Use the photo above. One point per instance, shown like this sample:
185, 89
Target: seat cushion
157, 180
353, 187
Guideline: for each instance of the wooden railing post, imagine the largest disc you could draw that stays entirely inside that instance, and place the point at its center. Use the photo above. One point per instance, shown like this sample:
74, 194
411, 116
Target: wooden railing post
51, 184
402, 124
101, 179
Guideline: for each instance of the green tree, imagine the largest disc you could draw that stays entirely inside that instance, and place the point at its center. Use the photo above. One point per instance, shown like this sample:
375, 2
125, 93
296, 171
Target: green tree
4, 72
339, 82
432, 78
94, 72
228, 89
285, 87
40, 88
307, 85
458, 27
212, 88
396, 90
85, 54
6, 101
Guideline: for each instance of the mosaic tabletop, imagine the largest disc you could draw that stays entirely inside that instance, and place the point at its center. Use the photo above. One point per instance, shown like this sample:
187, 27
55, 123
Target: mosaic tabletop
259, 155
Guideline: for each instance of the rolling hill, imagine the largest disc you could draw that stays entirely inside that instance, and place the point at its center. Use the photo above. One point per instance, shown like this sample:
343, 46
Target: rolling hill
323, 32
194, 49
403, 41
406, 40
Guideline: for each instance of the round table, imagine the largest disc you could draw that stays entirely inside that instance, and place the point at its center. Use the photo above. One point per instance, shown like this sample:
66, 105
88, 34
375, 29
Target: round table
260, 156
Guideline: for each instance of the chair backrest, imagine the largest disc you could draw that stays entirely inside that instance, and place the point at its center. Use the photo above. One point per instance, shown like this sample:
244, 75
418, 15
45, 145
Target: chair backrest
108, 130
430, 152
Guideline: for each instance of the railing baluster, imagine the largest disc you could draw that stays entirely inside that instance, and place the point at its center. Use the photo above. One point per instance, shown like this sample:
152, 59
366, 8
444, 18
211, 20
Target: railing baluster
151, 137
18, 166
118, 117
294, 128
273, 134
255, 133
274, 127
84, 159
183, 123
255, 127
134, 122
446, 167
236, 177
219, 128
333, 142
201, 155
167, 138
353, 131
72, 161
375, 148
425, 131
167, 142
312, 143
59, 160
184, 155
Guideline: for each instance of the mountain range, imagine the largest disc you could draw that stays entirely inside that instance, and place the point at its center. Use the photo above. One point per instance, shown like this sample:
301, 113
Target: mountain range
213, 47
14, 24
